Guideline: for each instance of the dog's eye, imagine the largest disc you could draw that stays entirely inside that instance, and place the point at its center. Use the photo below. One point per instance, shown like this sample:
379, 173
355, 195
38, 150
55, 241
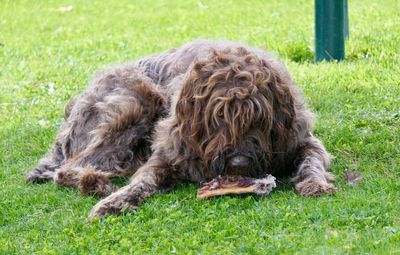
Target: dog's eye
221, 113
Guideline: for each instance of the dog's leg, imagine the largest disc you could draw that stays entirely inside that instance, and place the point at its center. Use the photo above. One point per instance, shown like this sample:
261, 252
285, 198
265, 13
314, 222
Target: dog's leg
311, 177
150, 178
112, 122
54, 158
106, 133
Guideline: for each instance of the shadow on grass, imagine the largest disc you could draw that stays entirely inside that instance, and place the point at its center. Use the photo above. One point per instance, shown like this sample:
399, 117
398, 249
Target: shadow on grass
120, 181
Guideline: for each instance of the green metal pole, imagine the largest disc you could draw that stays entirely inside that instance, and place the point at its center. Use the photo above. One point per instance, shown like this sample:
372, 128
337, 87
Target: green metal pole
346, 19
329, 29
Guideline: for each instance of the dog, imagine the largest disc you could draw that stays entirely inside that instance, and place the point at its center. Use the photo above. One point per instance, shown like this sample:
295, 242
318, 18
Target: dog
189, 114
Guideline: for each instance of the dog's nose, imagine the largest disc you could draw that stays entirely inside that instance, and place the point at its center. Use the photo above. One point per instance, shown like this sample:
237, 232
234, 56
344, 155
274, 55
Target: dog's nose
239, 162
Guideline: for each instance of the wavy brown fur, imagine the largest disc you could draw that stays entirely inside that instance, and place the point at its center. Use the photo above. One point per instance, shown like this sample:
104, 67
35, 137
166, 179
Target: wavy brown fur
189, 114
242, 90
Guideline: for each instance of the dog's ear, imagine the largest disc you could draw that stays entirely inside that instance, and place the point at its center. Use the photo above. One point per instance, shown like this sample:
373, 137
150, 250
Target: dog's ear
283, 107
182, 109
188, 114
185, 103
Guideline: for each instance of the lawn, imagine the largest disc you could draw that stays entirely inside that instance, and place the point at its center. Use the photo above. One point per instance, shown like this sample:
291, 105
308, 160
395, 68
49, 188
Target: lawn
48, 54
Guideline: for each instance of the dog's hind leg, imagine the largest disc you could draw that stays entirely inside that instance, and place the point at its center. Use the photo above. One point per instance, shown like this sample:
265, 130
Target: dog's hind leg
127, 106
44, 171
113, 137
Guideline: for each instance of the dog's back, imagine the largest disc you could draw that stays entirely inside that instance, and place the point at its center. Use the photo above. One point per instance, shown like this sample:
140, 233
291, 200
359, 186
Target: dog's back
164, 67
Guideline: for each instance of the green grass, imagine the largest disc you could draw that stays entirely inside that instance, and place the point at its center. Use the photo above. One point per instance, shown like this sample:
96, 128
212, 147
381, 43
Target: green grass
46, 56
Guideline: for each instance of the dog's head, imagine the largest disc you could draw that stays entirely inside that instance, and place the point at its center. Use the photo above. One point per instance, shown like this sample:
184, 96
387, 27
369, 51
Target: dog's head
234, 111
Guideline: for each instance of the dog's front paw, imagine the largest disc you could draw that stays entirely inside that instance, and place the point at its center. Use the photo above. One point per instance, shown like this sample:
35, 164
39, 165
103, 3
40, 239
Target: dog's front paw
112, 205
314, 187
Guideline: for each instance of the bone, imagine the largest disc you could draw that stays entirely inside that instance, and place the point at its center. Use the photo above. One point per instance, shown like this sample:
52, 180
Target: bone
236, 185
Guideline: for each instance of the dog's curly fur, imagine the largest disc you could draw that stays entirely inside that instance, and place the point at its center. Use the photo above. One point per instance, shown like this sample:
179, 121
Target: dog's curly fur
189, 114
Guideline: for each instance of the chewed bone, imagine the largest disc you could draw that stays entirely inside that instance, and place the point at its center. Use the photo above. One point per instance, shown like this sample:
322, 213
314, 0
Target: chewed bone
222, 186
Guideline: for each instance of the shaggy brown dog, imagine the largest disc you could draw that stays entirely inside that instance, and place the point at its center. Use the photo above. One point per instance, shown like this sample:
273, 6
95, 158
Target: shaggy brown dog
189, 114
